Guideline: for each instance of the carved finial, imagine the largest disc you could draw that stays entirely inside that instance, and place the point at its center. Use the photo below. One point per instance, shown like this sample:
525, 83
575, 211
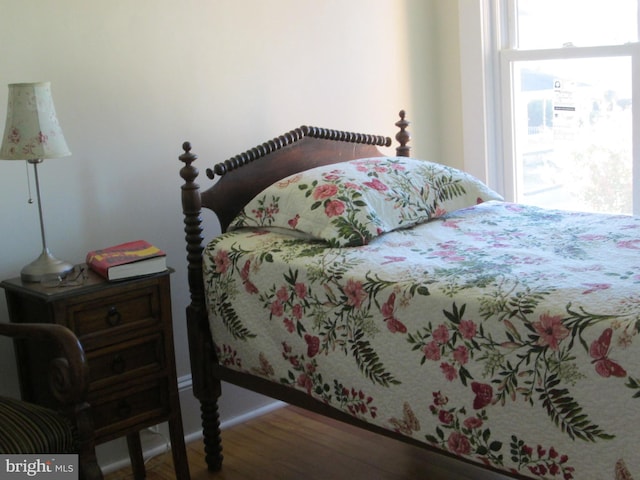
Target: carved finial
188, 172
187, 157
403, 136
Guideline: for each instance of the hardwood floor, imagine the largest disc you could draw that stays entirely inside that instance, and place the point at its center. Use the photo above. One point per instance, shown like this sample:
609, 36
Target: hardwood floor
292, 444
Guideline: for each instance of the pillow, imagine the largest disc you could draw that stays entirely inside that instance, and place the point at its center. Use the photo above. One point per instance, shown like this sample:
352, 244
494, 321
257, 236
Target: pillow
350, 203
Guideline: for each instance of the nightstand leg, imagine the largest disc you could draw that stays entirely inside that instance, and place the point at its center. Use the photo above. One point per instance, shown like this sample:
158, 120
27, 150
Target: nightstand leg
135, 454
178, 448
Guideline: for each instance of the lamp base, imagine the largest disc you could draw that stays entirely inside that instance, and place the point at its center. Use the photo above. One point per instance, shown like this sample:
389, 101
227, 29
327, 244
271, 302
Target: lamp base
45, 266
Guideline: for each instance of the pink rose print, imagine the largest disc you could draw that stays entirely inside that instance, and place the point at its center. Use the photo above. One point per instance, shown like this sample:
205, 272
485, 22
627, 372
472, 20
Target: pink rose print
445, 417
473, 422
467, 329
459, 444
441, 334
325, 191
301, 290
431, 351
461, 355
334, 208
439, 399
289, 325
282, 294
277, 309
450, 373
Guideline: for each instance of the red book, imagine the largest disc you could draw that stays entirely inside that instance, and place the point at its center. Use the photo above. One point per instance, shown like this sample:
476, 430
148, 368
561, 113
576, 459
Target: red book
131, 259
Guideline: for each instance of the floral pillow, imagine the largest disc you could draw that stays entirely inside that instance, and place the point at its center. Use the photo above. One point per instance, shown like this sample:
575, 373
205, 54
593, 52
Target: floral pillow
348, 204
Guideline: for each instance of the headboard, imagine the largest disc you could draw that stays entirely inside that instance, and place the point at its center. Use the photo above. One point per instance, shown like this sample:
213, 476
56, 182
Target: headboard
242, 177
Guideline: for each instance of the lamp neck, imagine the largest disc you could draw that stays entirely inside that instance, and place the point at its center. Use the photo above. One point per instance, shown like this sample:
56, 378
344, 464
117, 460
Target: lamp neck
35, 170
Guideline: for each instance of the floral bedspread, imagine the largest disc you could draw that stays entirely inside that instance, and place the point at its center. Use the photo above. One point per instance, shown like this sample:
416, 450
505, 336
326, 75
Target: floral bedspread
502, 333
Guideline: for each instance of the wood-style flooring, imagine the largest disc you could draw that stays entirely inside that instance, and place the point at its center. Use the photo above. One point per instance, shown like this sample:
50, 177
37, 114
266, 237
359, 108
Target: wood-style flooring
292, 444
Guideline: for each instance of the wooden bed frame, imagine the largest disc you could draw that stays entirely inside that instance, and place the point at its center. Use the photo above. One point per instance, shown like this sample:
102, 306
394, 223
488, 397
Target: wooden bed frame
297, 150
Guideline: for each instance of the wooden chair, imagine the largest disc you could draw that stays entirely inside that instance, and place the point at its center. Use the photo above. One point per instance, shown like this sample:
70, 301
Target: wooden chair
62, 422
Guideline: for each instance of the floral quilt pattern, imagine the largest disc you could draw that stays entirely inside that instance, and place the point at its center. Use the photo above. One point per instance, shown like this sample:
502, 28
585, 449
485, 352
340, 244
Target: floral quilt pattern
503, 333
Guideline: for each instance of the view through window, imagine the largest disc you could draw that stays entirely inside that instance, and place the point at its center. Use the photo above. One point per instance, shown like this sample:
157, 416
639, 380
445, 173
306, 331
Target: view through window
570, 65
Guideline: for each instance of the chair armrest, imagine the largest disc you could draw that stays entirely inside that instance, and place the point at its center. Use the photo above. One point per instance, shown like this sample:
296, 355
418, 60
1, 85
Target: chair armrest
68, 371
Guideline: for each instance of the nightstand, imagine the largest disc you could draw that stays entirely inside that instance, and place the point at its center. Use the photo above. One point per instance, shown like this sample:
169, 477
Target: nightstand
126, 330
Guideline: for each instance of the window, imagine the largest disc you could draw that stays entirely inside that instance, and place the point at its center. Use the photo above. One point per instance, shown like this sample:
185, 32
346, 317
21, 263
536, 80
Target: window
562, 89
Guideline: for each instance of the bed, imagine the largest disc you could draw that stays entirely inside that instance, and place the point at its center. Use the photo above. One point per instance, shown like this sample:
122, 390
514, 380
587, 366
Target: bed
408, 298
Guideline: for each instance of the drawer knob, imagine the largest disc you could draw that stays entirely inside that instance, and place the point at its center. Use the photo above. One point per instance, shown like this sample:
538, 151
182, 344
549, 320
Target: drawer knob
114, 317
118, 364
123, 409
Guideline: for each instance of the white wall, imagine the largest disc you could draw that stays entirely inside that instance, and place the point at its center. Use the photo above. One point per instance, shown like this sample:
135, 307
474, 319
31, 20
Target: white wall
133, 79
448, 86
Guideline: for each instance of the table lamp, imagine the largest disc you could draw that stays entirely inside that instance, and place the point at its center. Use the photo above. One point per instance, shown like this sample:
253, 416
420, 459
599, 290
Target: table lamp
33, 133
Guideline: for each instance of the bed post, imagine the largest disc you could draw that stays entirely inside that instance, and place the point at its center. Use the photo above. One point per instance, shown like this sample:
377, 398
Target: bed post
403, 136
206, 387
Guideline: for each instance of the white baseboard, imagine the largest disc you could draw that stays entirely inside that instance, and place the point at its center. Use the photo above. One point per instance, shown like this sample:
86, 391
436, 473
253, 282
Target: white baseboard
237, 420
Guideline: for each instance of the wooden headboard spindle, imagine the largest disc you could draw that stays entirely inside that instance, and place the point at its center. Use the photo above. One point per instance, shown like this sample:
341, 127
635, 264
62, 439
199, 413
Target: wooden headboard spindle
290, 138
192, 207
316, 132
255, 153
403, 136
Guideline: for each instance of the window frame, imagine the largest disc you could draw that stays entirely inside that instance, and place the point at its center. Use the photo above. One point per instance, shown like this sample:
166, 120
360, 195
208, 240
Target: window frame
487, 37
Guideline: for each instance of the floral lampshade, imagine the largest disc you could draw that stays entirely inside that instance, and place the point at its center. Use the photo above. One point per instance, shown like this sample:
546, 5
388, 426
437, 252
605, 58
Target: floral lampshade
32, 130
33, 133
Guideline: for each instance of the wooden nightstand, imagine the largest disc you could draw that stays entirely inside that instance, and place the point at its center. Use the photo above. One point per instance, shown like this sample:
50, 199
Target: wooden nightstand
126, 331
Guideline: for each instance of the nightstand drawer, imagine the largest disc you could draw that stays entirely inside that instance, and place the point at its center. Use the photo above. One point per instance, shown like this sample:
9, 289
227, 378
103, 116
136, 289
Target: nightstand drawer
122, 361
94, 322
138, 405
